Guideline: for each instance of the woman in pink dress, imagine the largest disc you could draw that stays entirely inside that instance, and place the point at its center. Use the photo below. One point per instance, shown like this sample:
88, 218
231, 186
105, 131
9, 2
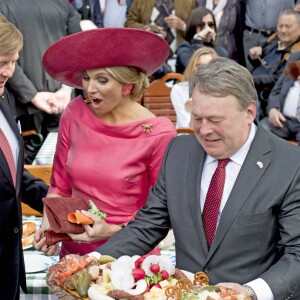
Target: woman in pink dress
109, 147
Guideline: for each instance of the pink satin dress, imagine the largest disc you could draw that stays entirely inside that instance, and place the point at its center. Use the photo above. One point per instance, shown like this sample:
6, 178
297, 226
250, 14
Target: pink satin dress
113, 165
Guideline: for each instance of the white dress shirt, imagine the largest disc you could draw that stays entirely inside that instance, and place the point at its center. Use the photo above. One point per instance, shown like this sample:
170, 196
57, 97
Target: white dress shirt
233, 168
179, 95
291, 100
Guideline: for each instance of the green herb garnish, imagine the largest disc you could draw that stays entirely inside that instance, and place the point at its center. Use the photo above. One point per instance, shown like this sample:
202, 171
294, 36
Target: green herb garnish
94, 210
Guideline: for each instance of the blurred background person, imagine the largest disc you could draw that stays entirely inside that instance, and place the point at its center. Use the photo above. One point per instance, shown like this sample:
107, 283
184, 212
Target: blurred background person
201, 31
230, 20
89, 10
283, 110
166, 17
124, 143
115, 12
16, 184
260, 22
270, 60
39, 99
297, 6
180, 92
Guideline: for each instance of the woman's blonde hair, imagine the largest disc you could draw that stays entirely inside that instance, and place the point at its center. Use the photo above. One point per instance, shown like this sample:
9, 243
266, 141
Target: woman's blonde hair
191, 66
130, 75
11, 39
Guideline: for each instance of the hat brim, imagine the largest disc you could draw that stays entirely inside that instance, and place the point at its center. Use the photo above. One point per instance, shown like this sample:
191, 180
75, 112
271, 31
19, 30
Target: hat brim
103, 48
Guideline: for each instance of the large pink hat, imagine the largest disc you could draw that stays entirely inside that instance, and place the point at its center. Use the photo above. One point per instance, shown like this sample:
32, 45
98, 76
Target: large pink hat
102, 48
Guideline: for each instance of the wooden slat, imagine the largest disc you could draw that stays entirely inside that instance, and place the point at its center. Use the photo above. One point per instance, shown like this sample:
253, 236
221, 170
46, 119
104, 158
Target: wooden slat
186, 130
40, 171
157, 97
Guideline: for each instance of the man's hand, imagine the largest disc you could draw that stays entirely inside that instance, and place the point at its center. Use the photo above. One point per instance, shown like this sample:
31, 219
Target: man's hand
276, 118
174, 22
41, 101
255, 52
61, 99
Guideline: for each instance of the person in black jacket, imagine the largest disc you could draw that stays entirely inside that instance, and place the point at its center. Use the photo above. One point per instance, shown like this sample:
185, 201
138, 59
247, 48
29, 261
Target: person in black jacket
16, 184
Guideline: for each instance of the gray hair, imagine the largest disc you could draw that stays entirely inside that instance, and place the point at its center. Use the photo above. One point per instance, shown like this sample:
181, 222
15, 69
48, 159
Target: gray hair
223, 77
290, 12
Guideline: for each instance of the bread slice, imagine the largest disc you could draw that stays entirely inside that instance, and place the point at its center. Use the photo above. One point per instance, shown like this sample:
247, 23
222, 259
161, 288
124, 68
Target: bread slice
29, 229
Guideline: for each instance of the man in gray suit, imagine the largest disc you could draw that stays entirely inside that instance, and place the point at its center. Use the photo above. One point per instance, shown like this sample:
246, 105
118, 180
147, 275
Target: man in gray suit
256, 246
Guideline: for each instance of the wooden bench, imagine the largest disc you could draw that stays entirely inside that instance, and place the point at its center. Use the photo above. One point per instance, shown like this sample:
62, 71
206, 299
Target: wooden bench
42, 172
157, 97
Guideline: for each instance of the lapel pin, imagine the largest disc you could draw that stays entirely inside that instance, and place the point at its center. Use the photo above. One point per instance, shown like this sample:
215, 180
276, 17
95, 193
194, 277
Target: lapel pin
260, 164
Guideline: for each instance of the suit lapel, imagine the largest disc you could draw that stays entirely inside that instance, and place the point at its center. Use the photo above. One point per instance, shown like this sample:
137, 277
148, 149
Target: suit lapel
254, 167
196, 162
5, 108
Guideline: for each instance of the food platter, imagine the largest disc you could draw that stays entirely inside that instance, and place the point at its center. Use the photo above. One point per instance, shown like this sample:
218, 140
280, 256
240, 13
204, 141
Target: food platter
135, 278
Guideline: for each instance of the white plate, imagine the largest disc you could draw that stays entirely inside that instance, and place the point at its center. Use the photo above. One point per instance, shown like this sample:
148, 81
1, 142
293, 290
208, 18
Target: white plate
36, 263
27, 247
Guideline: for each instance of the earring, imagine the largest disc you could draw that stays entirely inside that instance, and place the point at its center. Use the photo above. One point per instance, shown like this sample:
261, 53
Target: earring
127, 88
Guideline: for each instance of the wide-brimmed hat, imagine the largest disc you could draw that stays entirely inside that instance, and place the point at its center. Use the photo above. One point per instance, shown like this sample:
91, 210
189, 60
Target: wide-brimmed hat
102, 48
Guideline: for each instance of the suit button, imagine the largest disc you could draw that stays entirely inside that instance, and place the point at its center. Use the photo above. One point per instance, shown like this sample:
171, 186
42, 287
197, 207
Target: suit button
206, 270
16, 230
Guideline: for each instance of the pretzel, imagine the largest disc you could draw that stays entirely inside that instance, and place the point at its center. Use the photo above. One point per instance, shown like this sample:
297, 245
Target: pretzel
173, 293
200, 279
184, 284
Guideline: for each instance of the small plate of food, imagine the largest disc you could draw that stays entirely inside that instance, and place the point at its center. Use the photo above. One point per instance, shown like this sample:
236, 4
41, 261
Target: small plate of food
29, 229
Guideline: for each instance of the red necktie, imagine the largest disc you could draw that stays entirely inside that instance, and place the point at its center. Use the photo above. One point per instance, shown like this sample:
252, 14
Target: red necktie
213, 200
4, 145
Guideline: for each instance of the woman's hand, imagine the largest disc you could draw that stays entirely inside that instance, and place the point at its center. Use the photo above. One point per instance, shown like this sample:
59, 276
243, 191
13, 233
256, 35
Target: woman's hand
100, 230
39, 241
207, 34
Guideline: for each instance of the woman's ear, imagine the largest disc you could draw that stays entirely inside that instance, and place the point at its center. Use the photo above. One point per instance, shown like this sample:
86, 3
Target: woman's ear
127, 88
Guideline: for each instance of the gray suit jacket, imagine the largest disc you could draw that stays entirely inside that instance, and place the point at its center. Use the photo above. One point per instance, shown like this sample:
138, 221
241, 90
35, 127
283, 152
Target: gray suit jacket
258, 234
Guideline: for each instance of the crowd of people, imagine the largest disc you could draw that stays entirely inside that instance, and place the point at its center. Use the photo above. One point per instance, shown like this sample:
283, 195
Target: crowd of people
248, 32
230, 191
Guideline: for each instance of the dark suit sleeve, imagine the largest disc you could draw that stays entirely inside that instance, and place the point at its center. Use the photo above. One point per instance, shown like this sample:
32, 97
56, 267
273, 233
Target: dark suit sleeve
22, 86
283, 277
74, 17
33, 190
275, 98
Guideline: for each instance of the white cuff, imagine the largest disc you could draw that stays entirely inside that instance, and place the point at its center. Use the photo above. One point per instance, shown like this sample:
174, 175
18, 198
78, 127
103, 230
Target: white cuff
261, 289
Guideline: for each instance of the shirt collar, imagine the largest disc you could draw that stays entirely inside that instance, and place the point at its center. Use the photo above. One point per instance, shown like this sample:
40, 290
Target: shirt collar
241, 154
